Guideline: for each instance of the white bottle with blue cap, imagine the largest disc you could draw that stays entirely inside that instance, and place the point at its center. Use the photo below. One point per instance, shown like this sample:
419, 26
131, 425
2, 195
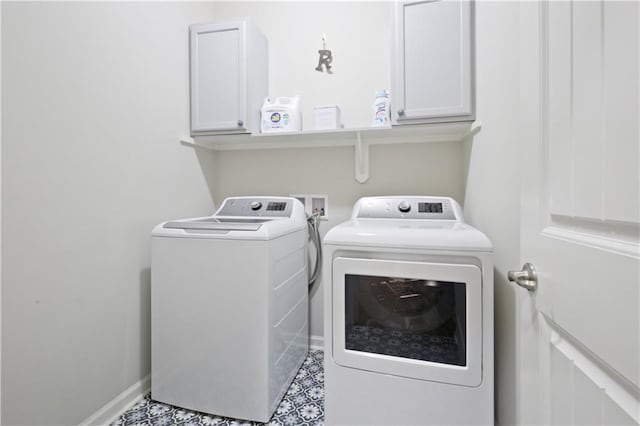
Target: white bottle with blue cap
381, 116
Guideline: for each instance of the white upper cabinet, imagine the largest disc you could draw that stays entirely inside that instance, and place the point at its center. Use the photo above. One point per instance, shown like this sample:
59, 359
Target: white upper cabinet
432, 61
229, 77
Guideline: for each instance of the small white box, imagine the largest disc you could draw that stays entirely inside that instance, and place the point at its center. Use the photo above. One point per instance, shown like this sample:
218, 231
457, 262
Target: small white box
327, 117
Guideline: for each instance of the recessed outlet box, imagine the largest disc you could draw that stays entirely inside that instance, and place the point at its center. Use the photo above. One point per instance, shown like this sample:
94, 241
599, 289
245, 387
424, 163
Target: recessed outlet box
319, 203
314, 203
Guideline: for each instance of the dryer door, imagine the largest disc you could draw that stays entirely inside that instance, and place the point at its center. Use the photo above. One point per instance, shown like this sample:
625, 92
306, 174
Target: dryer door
411, 319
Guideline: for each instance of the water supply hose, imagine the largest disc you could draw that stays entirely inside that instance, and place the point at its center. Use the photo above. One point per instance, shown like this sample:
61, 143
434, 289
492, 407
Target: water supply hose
314, 237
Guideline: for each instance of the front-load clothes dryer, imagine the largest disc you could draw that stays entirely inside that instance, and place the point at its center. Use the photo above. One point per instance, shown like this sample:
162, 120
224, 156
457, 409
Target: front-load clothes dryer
408, 329
229, 307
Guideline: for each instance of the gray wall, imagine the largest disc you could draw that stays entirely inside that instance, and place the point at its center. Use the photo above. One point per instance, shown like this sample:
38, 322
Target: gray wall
94, 99
492, 196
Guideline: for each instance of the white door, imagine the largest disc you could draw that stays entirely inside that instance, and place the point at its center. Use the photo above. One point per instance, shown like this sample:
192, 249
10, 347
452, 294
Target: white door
579, 332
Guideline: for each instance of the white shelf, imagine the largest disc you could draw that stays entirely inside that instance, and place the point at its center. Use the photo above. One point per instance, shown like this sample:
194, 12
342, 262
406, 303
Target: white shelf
359, 138
404, 133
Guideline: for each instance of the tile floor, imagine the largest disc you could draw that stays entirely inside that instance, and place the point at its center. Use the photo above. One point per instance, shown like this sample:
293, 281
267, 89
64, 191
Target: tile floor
303, 404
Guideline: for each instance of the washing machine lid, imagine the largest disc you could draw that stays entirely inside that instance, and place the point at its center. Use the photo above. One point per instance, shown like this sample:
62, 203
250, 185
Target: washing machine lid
217, 224
248, 218
413, 234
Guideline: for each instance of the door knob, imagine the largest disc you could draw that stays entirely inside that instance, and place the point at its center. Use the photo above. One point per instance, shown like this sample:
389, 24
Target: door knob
526, 278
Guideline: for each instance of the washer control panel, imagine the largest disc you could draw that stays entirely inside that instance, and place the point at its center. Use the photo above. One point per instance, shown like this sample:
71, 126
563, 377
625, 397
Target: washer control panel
432, 208
256, 206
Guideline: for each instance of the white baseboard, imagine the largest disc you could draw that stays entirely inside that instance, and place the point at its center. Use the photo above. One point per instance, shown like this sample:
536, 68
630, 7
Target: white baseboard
137, 391
120, 403
316, 342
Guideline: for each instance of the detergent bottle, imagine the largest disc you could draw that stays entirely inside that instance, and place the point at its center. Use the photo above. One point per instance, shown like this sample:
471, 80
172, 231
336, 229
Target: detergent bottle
281, 114
381, 115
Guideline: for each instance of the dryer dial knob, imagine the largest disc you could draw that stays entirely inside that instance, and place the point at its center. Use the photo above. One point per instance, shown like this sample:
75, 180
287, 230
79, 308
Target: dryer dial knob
404, 206
255, 205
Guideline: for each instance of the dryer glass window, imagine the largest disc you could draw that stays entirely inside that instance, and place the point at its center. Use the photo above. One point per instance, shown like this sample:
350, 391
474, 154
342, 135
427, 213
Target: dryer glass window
410, 318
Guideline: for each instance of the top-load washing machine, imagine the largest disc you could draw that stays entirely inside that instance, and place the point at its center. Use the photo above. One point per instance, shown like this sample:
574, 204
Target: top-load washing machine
408, 329
229, 307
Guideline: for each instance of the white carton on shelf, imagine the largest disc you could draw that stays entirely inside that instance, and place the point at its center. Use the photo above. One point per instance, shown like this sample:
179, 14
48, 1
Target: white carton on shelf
327, 117
281, 114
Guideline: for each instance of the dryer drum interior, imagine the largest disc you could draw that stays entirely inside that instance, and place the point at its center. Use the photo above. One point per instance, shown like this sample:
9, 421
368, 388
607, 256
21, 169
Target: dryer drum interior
411, 318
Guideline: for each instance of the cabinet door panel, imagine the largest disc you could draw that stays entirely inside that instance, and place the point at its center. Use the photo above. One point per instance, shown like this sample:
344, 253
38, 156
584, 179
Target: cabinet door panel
434, 59
216, 78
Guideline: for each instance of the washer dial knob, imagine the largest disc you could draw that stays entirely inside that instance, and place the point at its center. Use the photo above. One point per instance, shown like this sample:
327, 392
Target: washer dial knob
255, 205
404, 206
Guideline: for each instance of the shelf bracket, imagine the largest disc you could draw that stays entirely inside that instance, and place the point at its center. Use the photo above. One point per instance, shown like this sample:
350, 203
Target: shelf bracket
186, 140
476, 126
361, 159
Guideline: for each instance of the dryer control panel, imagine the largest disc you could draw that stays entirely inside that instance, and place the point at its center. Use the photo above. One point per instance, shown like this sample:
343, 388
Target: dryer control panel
408, 207
256, 207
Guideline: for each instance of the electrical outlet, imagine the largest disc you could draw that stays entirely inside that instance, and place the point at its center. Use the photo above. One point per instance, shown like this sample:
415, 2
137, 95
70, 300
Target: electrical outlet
314, 203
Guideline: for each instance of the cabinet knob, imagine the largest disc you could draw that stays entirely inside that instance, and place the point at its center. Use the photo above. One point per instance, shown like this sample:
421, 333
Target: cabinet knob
400, 112
240, 123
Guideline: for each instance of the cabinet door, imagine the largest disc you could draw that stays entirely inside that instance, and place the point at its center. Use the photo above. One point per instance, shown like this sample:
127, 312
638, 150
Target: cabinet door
433, 61
218, 69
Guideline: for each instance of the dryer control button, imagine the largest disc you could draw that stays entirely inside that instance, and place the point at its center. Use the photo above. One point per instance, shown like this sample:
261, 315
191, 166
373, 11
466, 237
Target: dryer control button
404, 206
255, 205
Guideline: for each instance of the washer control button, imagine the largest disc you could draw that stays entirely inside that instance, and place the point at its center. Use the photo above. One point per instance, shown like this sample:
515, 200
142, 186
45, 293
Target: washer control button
255, 205
404, 206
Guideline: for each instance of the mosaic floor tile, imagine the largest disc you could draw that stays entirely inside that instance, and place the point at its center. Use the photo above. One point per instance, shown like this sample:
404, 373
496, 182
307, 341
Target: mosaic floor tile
303, 404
